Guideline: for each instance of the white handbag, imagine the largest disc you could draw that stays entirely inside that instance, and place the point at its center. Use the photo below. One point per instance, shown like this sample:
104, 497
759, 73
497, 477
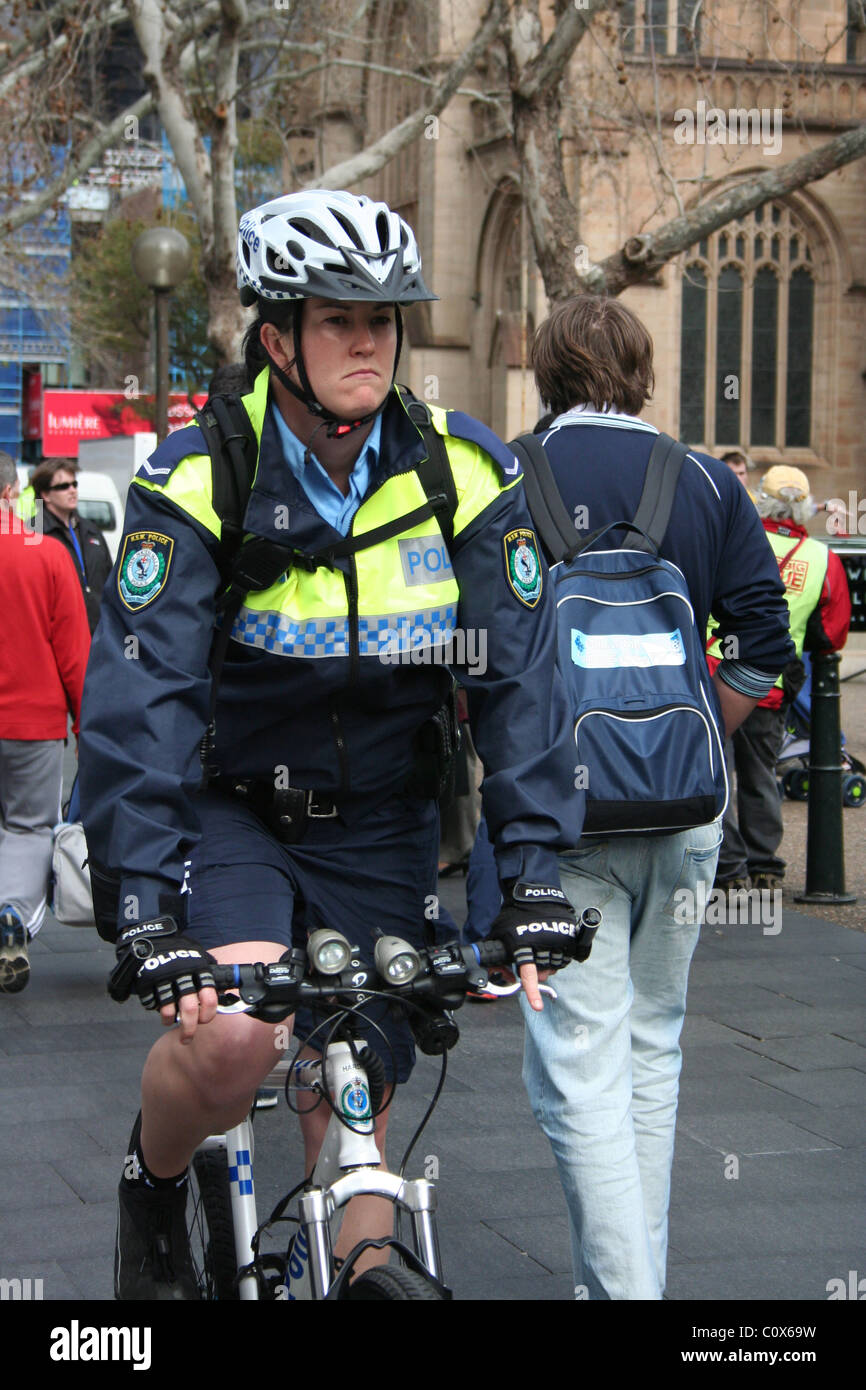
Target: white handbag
73, 905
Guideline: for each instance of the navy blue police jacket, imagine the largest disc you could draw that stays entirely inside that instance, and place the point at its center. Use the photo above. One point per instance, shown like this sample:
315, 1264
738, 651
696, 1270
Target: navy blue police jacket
329, 675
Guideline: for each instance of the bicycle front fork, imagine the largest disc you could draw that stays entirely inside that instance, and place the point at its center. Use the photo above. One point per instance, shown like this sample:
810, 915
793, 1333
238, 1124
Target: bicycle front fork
317, 1207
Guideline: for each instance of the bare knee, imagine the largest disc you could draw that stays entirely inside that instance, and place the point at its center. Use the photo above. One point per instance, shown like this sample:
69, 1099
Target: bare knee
225, 1062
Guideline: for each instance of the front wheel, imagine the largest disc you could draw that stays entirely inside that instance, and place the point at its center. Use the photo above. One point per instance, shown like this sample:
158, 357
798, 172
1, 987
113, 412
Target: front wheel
210, 1226
385, 1284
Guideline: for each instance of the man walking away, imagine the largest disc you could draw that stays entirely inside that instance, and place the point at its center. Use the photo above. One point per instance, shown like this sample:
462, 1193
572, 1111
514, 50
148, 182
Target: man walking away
602, 1061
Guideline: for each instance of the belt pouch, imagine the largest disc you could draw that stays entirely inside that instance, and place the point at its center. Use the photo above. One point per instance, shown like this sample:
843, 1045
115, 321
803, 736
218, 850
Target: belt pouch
434, 756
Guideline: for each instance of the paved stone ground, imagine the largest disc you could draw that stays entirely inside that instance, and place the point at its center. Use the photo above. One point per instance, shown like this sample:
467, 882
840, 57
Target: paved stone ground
774, 1078
774, 1085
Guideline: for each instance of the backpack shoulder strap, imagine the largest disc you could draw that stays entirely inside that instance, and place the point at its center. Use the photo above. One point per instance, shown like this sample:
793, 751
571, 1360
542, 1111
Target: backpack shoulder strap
233, 448
657, 497
434, 472
546, 507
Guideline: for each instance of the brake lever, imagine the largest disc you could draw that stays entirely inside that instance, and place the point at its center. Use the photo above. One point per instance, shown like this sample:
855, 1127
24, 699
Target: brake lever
238, 1007
503, 991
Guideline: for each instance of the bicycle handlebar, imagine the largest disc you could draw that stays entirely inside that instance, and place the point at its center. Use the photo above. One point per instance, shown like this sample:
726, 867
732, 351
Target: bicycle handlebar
273, 991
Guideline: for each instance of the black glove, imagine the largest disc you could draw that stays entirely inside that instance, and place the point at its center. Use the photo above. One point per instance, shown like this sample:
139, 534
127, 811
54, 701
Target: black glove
159, 964
537, 925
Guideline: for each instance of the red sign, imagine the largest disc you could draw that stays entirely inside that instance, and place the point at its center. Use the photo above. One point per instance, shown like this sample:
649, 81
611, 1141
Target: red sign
68, 417
33, 405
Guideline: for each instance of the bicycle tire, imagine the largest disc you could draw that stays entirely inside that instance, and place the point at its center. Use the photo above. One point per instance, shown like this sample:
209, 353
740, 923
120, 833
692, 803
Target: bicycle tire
386, 1284
210, 1226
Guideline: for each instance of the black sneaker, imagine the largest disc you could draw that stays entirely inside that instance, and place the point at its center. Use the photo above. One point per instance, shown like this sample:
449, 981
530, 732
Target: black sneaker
738, 884
766, 882
151, 1257
14, 962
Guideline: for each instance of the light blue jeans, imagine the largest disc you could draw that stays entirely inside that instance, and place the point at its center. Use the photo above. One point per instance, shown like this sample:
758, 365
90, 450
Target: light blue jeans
602, 1062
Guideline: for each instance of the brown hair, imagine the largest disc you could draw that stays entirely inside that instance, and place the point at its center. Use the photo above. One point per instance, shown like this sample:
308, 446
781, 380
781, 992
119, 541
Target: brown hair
43, 476
593, 351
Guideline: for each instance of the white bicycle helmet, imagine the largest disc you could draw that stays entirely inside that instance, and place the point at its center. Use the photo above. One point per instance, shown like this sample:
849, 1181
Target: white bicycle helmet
332, 245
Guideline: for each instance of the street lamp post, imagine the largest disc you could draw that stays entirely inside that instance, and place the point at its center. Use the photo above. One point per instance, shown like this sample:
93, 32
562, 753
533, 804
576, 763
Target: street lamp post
161, 258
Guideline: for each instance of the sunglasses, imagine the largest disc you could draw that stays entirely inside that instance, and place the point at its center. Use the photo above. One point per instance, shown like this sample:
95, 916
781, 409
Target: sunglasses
61, 487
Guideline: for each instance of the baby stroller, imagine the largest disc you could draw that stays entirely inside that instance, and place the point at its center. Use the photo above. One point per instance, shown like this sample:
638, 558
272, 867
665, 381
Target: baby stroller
792, 765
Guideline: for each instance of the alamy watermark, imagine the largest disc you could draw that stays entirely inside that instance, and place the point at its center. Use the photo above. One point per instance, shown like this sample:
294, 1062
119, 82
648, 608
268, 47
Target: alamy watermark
30, 527
846, 521
853, 1288
738, 907
403, 644
710, 125
21, 1290
77, 1343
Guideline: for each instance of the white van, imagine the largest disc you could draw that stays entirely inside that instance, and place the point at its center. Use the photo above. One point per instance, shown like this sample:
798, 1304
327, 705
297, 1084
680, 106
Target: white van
99, 503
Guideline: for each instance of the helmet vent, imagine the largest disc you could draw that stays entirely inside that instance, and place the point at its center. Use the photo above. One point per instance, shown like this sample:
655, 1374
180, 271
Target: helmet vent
276, 261
309, 229
351, 232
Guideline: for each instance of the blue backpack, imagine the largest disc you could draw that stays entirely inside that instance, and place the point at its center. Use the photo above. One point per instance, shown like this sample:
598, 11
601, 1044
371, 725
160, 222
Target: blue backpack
649, 750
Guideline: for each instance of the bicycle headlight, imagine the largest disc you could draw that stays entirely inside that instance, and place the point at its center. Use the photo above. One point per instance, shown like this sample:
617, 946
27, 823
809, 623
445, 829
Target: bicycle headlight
396, 961
329, 952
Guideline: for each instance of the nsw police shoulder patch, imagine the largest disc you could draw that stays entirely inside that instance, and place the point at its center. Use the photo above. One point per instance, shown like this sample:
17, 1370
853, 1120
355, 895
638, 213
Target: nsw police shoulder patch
142, 569
522, 565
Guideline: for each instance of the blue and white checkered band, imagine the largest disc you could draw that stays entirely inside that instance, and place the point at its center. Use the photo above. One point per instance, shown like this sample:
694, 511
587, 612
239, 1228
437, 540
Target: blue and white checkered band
241, 1172
380, 636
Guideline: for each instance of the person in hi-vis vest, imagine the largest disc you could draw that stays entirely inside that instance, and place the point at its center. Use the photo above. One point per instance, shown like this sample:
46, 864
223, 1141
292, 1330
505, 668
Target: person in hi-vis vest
333, 697
816, 589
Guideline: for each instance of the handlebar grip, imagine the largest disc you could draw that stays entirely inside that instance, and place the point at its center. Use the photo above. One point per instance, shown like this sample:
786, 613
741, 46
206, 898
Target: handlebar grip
490, 952
226, 976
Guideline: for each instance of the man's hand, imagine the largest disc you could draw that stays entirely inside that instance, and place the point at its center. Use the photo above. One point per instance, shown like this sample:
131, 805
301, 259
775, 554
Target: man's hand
539, 929
168, 971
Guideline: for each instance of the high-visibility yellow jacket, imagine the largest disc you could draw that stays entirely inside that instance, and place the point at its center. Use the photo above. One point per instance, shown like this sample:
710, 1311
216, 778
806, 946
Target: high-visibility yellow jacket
330, 673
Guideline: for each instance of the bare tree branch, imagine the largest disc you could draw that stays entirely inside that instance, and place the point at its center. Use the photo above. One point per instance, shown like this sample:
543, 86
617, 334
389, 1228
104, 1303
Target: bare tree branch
642, 257
87, 156
548, 66
372, 159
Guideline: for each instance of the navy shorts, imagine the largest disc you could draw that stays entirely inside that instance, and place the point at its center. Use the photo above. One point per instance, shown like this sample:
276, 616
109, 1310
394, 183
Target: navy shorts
378, 872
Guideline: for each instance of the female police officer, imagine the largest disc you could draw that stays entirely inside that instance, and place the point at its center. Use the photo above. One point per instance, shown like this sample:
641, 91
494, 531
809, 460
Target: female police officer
322, 699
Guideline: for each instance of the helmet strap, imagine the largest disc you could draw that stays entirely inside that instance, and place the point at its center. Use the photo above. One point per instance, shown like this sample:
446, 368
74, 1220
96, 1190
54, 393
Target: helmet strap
336, 426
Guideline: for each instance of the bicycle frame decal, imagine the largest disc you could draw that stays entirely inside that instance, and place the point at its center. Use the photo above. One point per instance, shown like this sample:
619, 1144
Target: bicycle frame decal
241, 1172
355, 1102
296, 1274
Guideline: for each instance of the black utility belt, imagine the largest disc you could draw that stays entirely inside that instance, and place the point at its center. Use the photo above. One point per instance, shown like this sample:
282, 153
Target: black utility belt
286, 811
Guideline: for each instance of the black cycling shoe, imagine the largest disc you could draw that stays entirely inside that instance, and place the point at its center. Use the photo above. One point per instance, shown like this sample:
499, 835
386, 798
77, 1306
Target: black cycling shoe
151, 1257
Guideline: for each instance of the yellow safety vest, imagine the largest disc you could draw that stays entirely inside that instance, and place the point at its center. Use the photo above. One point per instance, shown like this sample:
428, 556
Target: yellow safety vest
803, 575
407, 595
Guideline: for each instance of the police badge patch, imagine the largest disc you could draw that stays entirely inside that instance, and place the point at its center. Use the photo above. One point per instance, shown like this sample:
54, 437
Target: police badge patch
522, 565
143, 567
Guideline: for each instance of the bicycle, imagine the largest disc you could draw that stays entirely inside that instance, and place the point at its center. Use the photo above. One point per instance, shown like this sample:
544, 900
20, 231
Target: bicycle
350, 1077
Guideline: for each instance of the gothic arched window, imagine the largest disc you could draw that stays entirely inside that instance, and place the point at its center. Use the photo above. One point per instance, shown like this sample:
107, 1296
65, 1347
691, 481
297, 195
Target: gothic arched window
747, 331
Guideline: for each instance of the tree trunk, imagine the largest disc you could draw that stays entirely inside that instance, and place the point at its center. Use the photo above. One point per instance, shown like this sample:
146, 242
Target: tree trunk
226, 319
535, 73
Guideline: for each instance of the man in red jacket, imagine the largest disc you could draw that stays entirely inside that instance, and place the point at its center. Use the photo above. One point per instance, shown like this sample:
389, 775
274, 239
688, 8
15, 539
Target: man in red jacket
43, 656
